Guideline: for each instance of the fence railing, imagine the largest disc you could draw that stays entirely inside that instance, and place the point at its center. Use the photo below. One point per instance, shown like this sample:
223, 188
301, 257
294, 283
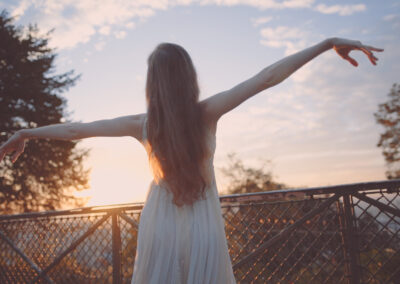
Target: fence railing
335, 234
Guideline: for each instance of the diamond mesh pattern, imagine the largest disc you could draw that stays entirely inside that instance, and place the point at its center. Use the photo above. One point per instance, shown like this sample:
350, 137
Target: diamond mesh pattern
310, 254
316, 251
91, 260
379, 235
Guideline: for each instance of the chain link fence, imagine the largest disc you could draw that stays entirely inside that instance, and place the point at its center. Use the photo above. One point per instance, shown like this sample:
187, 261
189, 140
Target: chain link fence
337, 234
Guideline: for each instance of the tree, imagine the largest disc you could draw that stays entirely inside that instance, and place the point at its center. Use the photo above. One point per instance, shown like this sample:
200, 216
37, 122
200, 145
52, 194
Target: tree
47, 173
388, 115
246, 179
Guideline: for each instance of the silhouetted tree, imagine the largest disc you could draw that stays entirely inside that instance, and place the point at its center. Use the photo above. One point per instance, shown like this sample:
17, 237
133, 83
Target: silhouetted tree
388, 116
244, 179
47, 173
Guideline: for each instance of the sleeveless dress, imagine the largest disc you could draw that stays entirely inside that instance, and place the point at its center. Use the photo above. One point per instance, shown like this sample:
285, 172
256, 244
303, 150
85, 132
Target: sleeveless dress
182, 245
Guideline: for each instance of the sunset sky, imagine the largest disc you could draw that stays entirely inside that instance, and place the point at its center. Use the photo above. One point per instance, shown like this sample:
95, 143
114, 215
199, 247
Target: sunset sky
317, 127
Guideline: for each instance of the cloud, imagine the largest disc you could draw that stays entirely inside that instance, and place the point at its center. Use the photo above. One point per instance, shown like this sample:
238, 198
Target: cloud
130, 25
262, 4
281, 33
394, 19
120, 34
259, 21
390, 17
292, 39
99, 46
342, 10
77, 21
20, 9
105, 30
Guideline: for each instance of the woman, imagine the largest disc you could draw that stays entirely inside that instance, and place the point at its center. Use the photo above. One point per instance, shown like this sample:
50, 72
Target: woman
181, 233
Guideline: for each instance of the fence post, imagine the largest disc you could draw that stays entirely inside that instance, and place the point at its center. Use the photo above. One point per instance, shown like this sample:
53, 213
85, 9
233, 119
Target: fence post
116, 247
349, 241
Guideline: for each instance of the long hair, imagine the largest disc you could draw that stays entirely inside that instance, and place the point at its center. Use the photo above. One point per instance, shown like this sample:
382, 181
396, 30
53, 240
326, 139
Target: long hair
176, 132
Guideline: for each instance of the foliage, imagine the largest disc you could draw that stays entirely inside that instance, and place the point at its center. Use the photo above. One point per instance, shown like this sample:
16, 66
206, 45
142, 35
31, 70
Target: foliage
244, 179
47, 173
388, 116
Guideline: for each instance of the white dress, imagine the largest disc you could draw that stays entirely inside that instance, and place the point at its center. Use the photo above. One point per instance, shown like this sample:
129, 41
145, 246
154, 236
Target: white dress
182, 245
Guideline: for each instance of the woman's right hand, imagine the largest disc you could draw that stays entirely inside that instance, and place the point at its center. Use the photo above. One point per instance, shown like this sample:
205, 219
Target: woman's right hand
344, 46
16, 144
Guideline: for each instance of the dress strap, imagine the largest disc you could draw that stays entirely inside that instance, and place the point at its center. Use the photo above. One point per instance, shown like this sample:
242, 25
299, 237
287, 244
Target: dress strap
144, 132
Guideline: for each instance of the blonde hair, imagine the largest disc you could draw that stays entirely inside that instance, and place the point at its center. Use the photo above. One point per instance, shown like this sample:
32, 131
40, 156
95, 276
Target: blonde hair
176, 132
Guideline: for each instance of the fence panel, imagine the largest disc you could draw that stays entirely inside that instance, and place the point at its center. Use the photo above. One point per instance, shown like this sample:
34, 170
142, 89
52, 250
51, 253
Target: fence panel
337, 234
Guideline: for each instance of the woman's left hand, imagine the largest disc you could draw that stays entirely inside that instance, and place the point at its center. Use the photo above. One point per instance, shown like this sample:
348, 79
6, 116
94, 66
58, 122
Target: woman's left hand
344, 46
16, 144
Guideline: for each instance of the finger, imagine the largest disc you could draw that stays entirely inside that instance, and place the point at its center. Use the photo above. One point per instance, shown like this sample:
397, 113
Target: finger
21, 147
366, 50
15, 156
374, 48
352, 61
370, 55
372, 58
373, 55
18, 152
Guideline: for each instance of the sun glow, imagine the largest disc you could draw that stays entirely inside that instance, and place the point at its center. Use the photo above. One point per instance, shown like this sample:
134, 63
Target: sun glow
119, 172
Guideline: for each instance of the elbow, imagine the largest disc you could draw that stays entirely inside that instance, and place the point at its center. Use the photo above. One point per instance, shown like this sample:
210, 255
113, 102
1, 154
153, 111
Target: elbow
73, 132
269, 82
269, 78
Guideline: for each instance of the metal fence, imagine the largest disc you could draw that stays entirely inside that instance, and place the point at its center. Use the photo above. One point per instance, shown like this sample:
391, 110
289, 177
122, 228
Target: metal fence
336, 234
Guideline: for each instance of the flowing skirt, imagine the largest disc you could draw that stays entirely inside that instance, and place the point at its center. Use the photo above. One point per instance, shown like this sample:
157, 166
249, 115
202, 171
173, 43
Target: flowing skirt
179, 245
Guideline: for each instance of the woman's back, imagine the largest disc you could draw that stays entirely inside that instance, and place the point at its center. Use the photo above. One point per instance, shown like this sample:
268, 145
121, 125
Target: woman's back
182, 244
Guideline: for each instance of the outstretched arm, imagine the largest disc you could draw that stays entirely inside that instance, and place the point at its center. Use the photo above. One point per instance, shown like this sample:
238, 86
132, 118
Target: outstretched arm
130, 125
221, 103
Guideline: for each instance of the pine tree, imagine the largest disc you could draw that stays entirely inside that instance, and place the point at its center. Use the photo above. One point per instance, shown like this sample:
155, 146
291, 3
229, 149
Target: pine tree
388, 116
49, 171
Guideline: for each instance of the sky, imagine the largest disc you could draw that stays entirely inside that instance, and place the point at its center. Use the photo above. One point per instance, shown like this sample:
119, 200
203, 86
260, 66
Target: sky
316, 128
